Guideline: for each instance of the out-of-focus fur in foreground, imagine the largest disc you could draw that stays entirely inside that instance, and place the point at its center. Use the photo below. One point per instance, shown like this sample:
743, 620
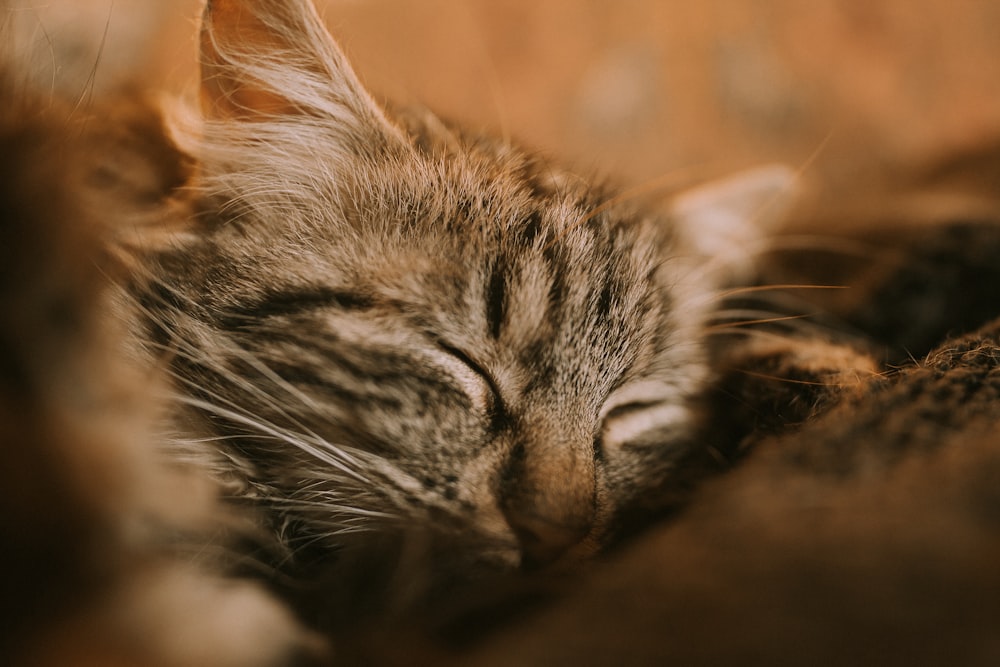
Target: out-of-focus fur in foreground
99, 537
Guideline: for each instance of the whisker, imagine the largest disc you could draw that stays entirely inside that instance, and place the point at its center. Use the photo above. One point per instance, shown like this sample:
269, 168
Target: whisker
340, 458
810, 383
817, 152
748, 312
754, 289
750, 332
347, 461
764, 320
192, 354
773, 244
327, 506
681, 176
236, 380
321, 450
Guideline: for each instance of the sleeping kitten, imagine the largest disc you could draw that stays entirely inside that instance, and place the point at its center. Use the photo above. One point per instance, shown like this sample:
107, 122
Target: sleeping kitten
417, 356
392, 336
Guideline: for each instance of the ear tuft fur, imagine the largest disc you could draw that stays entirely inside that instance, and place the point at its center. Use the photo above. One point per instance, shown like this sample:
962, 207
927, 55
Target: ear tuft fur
272, 59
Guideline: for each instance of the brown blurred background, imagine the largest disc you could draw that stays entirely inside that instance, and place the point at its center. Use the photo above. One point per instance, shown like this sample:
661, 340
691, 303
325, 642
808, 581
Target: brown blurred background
637, 88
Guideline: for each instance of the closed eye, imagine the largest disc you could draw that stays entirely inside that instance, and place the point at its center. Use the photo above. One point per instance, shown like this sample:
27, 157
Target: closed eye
645, 424
493, 402
624, 410
644, 412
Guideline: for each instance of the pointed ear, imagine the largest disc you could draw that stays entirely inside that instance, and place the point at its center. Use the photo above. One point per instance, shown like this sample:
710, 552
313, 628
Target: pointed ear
263, 59
726, 221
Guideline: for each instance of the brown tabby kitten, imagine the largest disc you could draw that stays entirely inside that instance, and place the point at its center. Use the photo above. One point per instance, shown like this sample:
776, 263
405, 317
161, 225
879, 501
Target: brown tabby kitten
394, 336
417, 355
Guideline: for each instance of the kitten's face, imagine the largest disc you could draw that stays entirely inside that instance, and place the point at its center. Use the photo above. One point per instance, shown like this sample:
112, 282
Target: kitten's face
386, 322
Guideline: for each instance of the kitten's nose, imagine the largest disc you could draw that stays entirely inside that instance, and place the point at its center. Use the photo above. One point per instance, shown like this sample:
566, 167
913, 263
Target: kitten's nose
549, 498
542, 539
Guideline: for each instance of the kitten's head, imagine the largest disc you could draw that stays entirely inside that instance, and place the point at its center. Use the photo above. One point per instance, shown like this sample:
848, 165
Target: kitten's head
383, 322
